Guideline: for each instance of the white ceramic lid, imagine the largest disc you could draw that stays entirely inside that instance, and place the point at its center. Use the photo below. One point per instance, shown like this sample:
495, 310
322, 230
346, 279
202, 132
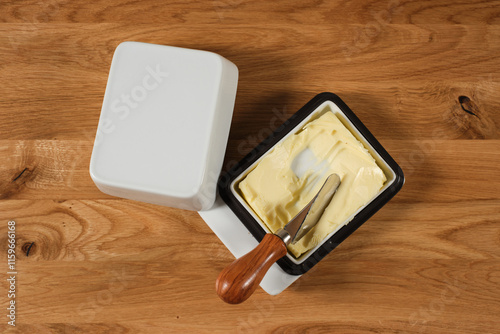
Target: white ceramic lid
164, 125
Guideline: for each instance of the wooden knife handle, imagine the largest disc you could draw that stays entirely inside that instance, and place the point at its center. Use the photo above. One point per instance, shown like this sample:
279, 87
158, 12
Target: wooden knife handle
239, 280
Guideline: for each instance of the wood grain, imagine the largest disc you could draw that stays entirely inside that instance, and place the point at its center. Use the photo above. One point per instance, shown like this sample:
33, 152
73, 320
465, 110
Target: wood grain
423, 76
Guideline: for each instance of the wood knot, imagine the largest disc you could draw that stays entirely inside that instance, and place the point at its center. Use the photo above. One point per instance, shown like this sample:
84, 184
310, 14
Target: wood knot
40, 242
28, 247
17, 181
471, 120
467, 105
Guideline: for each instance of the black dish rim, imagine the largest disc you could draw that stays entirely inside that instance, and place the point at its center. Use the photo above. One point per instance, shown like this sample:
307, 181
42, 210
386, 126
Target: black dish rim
254, 227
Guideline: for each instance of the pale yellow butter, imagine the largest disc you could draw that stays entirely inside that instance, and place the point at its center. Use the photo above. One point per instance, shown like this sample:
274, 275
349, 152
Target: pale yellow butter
276, 194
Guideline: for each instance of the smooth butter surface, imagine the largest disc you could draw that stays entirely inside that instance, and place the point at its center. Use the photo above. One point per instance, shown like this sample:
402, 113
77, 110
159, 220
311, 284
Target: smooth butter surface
277, 194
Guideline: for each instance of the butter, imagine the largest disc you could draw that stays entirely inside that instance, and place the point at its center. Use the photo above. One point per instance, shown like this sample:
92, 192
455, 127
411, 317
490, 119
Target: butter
276, 194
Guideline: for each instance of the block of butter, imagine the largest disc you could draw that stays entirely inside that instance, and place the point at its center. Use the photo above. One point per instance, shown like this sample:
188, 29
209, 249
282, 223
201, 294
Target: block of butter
276, 193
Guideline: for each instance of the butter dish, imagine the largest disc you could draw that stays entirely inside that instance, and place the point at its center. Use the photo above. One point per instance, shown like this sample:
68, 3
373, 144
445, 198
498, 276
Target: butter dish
162, 136
322, 103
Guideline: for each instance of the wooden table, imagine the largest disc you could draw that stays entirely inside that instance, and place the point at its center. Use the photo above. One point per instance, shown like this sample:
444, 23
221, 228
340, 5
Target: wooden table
423, 76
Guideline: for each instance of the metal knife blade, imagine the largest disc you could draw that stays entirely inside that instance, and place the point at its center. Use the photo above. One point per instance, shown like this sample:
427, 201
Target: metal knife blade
308, 217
